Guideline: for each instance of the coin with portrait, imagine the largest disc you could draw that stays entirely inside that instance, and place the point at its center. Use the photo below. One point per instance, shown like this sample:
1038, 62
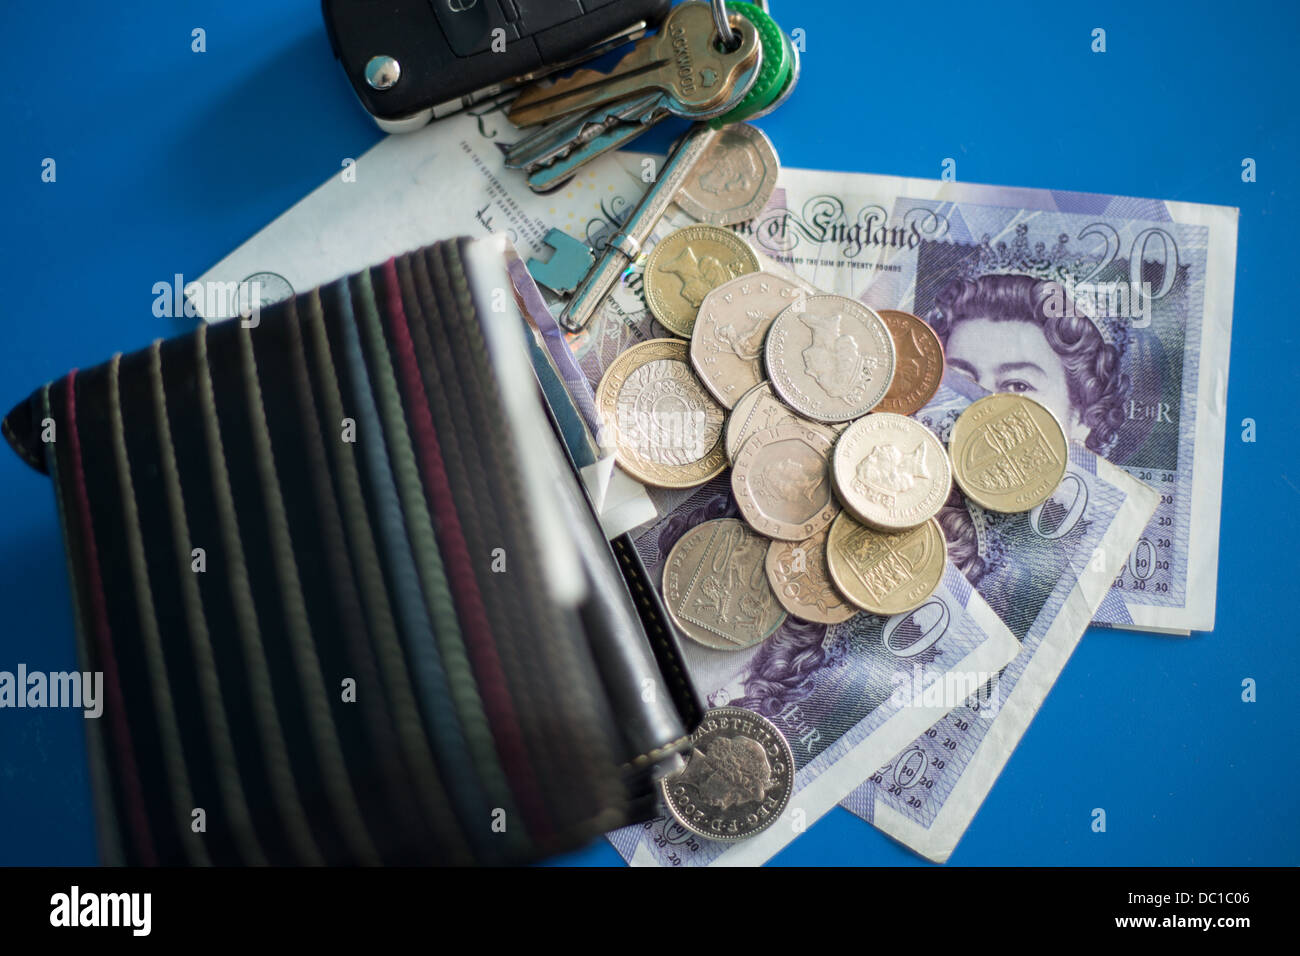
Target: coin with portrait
738, 778
781, 480
890, 471
685, 266
830, 358
733, 180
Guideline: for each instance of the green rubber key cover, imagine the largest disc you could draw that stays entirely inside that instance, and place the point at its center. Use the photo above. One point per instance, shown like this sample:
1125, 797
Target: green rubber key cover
774, 72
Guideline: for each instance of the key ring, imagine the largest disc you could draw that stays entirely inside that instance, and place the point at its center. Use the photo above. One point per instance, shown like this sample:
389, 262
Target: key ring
729, 36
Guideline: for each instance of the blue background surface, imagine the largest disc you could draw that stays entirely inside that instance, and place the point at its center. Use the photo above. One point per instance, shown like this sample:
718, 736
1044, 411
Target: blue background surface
168, 159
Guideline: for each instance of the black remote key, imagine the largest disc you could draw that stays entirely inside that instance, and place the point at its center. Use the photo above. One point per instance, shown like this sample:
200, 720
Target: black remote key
411, 61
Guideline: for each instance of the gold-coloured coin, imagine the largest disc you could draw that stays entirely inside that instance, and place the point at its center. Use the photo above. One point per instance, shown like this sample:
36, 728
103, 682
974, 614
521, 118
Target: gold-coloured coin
798, 574
1008, 452
885, 572
665, 427
687, 265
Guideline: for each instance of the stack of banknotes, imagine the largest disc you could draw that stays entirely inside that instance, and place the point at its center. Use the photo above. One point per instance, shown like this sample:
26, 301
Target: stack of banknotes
1134, 364
906, 721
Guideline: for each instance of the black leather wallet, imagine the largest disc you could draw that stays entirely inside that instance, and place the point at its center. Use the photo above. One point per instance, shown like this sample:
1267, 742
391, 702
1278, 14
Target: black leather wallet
349, 597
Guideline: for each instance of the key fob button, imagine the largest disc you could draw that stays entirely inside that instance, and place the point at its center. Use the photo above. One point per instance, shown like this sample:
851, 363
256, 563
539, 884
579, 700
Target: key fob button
538, 15
468, 24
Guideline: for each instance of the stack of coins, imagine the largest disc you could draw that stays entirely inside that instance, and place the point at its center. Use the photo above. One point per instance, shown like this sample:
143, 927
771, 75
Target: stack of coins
808, 397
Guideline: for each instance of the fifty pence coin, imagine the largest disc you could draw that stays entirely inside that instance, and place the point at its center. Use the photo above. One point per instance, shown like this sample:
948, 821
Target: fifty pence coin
918, 363
1008, 452
715, 586
830, 358
733, 180
781, 480
885, 572
688, 264
759, 409
799, 575
738, 778
890, 472
732, 324
666, 428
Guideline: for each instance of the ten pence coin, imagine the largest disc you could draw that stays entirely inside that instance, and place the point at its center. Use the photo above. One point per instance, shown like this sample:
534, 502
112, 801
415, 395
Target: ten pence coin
738, 778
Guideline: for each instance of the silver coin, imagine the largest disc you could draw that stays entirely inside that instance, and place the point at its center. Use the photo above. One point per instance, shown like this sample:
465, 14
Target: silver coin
830, 358
738, 778
731, 327
733, 180
716, 588
781, 480
890, 472
758, 409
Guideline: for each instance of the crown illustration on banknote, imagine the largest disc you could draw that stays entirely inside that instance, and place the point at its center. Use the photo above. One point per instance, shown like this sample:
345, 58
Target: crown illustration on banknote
1059, 263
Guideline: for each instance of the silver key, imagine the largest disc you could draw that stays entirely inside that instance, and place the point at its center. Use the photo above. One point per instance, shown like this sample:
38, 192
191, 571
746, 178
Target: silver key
684, 60
554, 153
625, 246
700, 149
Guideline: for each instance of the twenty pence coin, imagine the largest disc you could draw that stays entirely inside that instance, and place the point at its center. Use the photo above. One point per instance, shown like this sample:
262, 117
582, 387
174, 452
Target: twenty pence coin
781, 480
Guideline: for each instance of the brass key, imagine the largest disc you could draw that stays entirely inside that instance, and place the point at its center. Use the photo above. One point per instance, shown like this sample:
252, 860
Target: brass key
686, 60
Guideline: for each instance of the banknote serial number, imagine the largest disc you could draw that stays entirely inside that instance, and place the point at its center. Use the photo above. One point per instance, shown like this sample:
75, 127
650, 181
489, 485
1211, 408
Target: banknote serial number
1206, 897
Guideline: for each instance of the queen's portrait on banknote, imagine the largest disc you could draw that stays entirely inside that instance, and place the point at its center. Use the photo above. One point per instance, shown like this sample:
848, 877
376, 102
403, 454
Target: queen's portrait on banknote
1017, 333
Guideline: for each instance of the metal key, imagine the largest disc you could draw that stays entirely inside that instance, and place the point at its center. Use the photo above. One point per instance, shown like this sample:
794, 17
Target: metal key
556, 151
701, 148
557, 140
626, 245
684, 60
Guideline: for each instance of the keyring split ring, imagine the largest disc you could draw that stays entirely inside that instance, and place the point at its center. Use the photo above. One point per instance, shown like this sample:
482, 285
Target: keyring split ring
729, 36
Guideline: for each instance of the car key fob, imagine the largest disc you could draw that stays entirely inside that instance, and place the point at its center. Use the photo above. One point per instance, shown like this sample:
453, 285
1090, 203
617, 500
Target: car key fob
412, 61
